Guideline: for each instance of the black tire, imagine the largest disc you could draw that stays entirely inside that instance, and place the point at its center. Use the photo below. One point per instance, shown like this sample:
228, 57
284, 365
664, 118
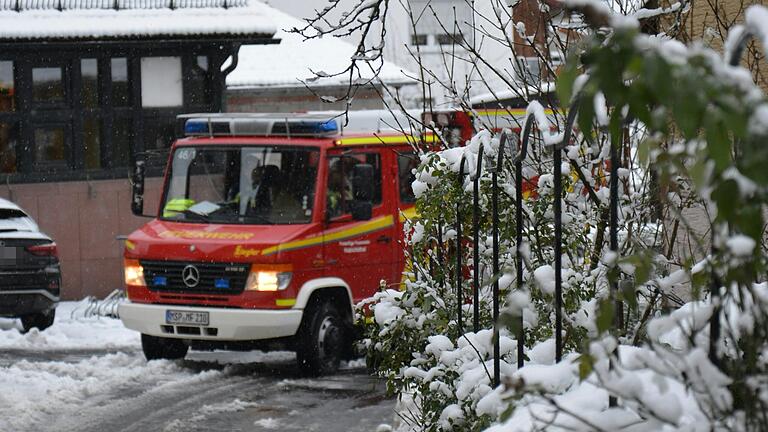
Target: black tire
321, 340
157, 348
41, 320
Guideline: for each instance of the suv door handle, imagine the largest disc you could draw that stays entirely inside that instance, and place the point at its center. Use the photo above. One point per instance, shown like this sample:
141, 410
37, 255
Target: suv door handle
384, 239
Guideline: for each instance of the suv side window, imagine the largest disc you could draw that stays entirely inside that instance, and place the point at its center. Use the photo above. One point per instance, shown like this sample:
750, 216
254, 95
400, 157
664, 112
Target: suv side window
406, 164
340, 175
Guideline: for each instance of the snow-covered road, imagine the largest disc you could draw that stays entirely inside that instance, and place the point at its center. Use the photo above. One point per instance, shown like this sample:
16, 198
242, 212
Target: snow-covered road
88, 374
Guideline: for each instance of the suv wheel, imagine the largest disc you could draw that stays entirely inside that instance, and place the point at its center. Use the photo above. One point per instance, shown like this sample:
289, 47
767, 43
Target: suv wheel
321, 341
41, 320
156, 348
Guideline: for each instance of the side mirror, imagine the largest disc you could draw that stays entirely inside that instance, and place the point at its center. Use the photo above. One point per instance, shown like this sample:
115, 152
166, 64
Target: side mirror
137, 189
362, 192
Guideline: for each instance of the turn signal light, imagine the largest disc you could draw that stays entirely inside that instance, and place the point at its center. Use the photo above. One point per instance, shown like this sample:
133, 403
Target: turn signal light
269, 277
134, 273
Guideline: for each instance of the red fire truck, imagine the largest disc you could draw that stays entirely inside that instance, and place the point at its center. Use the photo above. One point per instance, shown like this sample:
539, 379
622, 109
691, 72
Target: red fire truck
269, 229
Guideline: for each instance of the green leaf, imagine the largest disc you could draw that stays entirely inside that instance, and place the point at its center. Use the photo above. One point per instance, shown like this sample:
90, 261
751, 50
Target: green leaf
605, 313
565, 81
726, 196
586, 113
628, 294
586, 365
750, 221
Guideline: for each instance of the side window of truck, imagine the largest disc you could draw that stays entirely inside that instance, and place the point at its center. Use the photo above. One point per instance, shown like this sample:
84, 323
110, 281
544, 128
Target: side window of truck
340, 172
406, 166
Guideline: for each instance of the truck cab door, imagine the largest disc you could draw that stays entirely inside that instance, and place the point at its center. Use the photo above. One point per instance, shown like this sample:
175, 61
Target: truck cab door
358, 251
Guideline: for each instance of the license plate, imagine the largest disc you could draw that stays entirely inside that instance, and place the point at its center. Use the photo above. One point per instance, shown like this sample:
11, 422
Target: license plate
186, 317
8, 253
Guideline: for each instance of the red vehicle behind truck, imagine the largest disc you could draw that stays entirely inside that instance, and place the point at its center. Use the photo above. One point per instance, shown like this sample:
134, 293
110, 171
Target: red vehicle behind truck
269, 230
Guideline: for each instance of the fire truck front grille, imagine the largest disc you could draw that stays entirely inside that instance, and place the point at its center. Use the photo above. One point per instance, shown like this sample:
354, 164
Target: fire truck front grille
195, 277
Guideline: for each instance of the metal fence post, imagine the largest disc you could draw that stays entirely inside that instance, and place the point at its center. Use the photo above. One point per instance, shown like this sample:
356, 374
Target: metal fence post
476, 240
459, 290
527, 128
558, 186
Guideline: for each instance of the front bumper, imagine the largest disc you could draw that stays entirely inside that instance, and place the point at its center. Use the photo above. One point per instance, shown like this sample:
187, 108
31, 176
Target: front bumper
224, 324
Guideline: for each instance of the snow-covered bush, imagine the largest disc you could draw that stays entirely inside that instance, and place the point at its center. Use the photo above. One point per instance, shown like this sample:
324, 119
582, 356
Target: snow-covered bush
690, 130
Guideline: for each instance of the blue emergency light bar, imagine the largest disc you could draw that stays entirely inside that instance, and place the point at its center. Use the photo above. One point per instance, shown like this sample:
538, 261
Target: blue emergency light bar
259, 125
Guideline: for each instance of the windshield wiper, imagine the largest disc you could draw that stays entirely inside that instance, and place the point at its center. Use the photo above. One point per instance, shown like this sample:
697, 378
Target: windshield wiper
258, 218
195, 215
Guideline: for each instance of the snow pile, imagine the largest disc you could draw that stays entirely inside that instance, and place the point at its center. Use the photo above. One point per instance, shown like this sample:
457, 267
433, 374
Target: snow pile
36, 390
68, 332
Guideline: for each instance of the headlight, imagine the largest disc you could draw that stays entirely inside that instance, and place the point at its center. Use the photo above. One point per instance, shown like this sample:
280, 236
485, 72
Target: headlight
134, 273
269, 277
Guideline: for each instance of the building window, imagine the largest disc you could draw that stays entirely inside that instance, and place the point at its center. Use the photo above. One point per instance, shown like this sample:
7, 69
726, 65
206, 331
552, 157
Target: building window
92, 143
89, 70
50, 147
161, 84
158, 135
7, 99
48, 85
419, 39
449, 39
120, 90
197, 82
9, 135
122, 131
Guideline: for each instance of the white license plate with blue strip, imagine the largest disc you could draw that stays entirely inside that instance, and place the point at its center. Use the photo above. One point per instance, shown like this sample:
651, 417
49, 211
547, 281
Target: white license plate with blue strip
186, 317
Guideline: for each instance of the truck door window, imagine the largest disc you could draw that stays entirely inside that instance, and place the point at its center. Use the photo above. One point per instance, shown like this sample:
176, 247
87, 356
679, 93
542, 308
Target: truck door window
406, 166
339, 194
255, 185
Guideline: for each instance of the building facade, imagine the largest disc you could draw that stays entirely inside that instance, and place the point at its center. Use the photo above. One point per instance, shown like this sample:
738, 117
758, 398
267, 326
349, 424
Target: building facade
86, 87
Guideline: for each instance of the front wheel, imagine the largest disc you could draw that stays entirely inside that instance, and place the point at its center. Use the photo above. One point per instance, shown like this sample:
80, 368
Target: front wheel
321, 341
156, 348
41, 320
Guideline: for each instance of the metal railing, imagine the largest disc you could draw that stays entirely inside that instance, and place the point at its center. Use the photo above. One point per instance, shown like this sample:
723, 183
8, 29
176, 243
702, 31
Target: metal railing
519, 145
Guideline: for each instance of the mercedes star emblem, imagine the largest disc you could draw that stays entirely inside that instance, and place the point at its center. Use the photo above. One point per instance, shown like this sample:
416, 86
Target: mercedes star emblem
191, 276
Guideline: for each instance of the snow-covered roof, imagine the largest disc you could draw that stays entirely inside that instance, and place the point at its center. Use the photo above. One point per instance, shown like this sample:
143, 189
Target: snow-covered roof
109, 19
284, 65
503, 94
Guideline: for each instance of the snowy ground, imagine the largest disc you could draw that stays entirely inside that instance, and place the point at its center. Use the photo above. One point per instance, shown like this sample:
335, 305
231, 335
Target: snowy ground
88, 374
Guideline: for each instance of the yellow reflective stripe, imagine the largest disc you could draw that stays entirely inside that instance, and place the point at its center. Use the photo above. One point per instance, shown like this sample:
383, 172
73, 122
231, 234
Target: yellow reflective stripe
372, 140
129, 245
511, 111
373, 225
285, 302
293, 245
408, 214
392, 139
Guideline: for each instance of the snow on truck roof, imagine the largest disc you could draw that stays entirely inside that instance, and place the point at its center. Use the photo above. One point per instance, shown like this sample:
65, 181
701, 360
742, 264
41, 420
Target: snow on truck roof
104, 19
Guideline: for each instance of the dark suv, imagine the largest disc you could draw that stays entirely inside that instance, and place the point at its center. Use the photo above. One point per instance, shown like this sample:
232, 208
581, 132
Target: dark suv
30, 277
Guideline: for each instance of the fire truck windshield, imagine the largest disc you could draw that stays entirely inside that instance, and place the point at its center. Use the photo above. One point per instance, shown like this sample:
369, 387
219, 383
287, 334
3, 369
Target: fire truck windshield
241, 185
